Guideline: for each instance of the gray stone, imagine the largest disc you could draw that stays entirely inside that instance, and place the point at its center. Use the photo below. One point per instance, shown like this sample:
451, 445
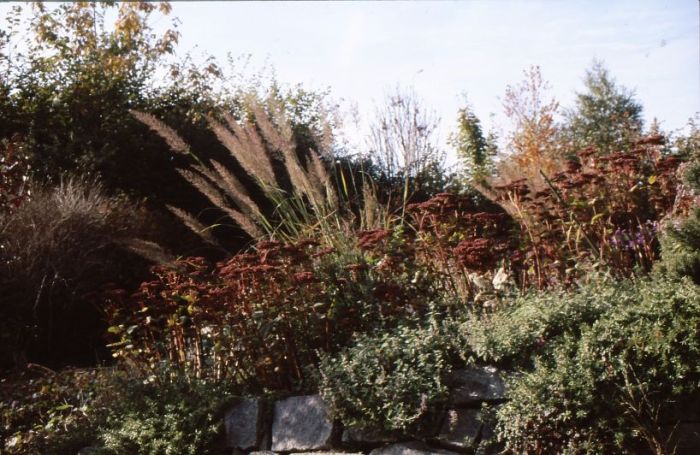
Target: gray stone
409, 448
301, 423
328, 453
364, 436
462, 428
242, 423
261, 452
474, 385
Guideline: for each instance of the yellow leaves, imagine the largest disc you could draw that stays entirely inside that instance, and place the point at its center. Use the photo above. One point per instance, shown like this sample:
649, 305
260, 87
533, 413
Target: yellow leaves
164, 7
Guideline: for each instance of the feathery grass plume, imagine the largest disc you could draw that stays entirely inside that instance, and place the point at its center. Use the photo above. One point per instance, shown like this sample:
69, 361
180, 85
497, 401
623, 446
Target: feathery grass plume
150, 251
235, 189
174, 141
204, 186
194, 225
244, 222
249, 152
256, 164
214, 195
323, 180
250, 140
281, 138
277, 131
373, 215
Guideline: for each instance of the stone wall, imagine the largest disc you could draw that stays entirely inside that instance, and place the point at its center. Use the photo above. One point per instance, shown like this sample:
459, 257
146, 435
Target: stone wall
301, 424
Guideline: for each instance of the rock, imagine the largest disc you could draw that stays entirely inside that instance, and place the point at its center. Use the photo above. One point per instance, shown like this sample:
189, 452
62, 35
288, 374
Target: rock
366, 437
301, 423
462, 429
488, 444
243, 425
261, 452
409, 448
473, 385
327, 453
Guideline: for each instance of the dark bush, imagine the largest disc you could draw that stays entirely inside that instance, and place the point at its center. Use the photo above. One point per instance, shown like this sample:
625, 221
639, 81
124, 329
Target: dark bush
58, 250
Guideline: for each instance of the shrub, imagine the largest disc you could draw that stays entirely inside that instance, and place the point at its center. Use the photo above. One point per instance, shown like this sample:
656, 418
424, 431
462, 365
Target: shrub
388, 381
57, 249
170, 417
14, 176
114, 411
522, 328
459, 239
54, 413
261, 317
681, 243
598, 211
611, 383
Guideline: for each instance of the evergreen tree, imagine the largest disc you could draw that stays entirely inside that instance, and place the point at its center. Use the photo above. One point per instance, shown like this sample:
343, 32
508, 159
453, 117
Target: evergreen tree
475, 151
605, 115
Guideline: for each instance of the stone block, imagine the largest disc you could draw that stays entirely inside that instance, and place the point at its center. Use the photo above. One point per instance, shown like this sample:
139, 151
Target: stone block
243, 424
366, 437
410, 448
462, 429
301, 424
473, 385
327, 453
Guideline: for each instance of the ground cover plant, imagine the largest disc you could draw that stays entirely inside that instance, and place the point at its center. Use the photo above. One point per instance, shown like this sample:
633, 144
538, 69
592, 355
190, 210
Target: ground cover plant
113, 411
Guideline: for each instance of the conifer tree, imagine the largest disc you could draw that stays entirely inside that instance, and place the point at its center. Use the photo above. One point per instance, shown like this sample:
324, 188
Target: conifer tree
474, 150
605, 114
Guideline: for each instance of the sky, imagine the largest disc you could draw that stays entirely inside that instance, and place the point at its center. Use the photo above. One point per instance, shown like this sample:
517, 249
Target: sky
448, 49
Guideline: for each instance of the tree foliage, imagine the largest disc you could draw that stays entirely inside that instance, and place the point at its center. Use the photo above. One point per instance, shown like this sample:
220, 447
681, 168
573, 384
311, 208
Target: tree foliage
475, 151
71, 88
532, 143
605, 115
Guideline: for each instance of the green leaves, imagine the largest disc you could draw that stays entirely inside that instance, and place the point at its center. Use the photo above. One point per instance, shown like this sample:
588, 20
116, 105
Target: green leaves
605, 115
615, 358
387, 381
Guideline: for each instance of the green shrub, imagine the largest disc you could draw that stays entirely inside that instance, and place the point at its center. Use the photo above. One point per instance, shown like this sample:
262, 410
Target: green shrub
607, 385
114, 411
54, 413
681, 244
388, 381
521, 329
174, 417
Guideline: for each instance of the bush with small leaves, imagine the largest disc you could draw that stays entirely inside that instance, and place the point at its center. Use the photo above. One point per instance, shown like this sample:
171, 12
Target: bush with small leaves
607, 382
389, 381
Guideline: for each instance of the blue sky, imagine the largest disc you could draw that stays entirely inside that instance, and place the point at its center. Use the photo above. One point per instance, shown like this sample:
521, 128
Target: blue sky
445, 49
